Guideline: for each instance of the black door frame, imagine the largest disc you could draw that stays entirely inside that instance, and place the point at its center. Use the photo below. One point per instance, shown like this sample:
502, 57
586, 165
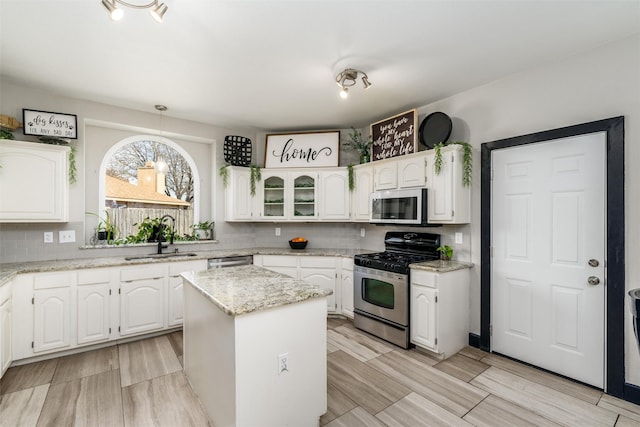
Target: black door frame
615, 280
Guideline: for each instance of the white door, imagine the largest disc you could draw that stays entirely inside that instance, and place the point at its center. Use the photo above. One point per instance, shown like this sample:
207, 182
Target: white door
548, 234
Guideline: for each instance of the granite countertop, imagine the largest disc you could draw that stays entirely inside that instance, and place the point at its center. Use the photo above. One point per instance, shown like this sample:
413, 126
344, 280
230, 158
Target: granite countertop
9, 270
439, 266
244, 289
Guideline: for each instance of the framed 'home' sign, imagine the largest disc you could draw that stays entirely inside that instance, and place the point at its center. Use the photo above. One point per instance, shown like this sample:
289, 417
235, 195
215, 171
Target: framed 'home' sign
395, 136
302, 150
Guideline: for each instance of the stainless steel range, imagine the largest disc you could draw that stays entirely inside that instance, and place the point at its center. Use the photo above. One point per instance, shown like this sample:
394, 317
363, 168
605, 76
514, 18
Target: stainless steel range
381, 284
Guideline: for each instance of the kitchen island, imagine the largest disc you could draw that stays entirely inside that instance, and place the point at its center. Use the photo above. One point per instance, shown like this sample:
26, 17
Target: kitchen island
255, 347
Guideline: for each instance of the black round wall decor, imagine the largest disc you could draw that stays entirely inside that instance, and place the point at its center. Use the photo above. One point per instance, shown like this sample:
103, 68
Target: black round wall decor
435, 128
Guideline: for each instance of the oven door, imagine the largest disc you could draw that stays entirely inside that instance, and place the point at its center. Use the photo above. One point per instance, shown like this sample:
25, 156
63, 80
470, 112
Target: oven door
382, 294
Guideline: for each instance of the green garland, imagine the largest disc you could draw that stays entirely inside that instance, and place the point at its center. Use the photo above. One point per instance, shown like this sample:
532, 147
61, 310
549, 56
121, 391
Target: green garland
255, 176
352, 182
437, 162
224, 174
467, 160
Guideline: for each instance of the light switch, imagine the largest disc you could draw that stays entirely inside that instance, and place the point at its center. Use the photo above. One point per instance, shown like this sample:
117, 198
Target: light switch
277, 231
458, 238
67, 236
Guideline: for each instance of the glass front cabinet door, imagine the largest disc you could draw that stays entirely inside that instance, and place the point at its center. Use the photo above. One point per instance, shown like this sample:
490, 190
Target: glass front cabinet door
273, 196
304, 196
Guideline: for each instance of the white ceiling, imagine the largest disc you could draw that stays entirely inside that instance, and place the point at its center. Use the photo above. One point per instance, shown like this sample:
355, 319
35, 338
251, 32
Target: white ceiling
272, 64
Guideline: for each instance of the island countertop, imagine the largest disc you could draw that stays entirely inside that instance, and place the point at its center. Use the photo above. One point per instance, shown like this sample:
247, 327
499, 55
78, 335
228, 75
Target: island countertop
244, 289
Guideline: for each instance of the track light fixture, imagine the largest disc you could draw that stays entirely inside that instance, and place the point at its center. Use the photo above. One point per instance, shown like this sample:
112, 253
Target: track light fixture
347, 78
157, 9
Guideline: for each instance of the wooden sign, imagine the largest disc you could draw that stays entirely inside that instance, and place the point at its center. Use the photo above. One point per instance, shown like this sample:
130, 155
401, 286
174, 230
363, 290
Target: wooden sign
52, 125
395, 136
302, 150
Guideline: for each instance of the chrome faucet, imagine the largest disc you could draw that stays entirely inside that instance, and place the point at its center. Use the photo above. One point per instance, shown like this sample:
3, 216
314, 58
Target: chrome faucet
161, 234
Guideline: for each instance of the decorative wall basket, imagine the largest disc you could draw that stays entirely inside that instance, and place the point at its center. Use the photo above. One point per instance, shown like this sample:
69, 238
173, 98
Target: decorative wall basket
237, 150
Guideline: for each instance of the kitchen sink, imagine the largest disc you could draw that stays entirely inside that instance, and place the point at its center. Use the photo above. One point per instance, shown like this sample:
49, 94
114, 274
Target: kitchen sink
160, 256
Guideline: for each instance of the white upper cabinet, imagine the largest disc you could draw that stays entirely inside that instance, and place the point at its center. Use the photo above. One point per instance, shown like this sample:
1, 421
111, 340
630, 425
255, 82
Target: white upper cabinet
449, 200
361, 194
33, 182
412, 171
385, 175
407, 171
304, 200
238, 200
273, 194
288, 195
334, 195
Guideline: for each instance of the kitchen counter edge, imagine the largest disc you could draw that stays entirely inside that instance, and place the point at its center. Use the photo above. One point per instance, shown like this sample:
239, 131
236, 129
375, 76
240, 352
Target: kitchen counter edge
439, 266
248, 288
9, 270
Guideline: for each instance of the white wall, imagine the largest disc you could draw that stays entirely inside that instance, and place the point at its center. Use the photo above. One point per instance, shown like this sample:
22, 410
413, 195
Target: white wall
590, 86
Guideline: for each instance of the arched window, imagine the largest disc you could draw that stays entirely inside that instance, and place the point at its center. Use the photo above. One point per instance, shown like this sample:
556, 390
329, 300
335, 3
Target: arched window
144, 178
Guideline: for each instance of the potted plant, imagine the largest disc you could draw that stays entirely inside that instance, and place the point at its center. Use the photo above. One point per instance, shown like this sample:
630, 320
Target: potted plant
359, 143
445, 252
203, 230
106, 229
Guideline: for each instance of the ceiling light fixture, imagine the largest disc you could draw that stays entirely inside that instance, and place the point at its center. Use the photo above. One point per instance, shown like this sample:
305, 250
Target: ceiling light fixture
347, 78
157, 9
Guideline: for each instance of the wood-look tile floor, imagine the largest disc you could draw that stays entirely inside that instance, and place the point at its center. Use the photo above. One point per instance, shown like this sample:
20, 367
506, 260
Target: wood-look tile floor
370, 383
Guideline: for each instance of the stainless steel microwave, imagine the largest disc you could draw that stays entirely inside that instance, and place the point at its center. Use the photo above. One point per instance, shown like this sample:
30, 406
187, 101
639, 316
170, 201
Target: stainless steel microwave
403, 207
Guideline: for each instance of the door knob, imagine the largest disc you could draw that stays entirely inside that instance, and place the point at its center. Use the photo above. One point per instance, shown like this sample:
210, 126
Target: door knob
593, 280
593, 263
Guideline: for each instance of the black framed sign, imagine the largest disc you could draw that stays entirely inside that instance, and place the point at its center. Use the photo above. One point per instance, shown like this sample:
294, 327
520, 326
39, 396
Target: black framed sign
50, 124
395, 136
302, 150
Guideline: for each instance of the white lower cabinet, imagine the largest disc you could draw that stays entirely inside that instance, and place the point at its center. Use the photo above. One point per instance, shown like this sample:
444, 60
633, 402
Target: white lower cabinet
319, 270
175, 312
142, 291
52, 311
5, 328
58, 311
440, 310
322, 272
346, 291
94, 305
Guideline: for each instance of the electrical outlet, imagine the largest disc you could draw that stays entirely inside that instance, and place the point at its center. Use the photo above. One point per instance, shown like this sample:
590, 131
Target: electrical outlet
458, 238
283, 363
48, 236
67, 236
362, 232
277, 231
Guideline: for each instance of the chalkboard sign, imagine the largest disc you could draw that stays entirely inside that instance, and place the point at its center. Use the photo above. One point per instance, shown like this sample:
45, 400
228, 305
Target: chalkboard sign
395, 136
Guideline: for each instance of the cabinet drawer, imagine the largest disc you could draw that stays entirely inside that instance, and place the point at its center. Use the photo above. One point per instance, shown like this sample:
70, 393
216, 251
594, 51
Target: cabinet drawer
93, 276
318, 261
347, 264
52, 280
424, 278
279, 261
141, 272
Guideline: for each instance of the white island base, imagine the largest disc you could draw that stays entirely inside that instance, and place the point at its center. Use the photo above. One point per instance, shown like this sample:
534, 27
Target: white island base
232, 362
